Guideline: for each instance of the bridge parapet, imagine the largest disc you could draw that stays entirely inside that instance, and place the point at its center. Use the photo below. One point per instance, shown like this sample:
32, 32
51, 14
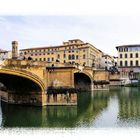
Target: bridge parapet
32, 63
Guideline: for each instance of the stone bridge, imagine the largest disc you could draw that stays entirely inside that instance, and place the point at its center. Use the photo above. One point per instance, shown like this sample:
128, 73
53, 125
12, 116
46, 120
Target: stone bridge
24, 77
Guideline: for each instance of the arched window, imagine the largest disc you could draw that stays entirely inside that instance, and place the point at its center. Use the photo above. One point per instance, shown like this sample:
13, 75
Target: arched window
137, 55
126, 55
131, 55
121, 63
73, 57
137, 63
69, 57
126, 63
131, 63
120, 55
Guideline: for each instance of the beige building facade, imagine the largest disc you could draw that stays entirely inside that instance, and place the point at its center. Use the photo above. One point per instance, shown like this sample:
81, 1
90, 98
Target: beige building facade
129, 59
73, 51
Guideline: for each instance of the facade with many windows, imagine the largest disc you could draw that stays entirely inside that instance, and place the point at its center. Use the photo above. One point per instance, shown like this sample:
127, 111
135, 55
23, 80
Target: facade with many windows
129, 59
73, 52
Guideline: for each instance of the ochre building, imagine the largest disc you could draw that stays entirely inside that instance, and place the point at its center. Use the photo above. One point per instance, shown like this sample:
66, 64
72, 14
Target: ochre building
73, 52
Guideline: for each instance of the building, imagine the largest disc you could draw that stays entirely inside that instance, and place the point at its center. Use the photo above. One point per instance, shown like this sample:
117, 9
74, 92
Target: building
5, 54
107, 61
73, 51
129, 60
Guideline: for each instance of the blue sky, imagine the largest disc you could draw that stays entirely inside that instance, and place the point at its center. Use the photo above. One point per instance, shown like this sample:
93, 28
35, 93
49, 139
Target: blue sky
104, 32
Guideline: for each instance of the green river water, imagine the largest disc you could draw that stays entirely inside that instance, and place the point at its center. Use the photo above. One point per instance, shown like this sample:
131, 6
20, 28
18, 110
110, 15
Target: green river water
118, 107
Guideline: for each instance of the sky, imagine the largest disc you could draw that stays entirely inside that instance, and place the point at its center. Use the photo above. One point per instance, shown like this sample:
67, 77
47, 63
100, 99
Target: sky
104, 32
104, 24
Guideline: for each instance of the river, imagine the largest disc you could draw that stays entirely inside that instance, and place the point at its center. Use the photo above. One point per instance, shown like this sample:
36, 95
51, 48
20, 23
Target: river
117, 107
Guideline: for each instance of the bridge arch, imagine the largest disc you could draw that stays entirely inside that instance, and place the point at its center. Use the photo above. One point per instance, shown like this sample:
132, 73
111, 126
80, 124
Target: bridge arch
83, 81
21, 80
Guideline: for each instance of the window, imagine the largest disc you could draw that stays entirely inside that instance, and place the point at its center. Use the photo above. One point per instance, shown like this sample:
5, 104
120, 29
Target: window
121, 50
76, 56
131, 55
125, 63
83, 50
52, 59
64, 61
137, 63
58, 56
69, 57
64, 55
126, 49
44, 59
125, 55
137, 55
48, 59
121, 64
40, 59
84, 56
120, 55
73, 57
131, 63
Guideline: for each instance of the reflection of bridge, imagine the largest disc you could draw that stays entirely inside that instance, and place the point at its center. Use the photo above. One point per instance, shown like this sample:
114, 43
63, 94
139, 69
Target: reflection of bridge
35, 77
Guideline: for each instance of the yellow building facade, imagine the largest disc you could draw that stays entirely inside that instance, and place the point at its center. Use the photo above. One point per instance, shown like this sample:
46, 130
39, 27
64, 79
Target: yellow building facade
73, 51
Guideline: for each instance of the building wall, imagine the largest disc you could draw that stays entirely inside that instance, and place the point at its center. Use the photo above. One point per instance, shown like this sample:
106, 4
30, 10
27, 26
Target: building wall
133, 50
129, 56
73, 51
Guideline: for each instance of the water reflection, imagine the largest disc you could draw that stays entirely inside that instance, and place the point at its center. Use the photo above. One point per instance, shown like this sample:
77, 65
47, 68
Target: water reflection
118, 107
89, 106
129, 107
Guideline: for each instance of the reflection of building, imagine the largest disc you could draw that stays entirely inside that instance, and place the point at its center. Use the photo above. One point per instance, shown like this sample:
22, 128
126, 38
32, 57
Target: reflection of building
129, 103
129, 59
73, 51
